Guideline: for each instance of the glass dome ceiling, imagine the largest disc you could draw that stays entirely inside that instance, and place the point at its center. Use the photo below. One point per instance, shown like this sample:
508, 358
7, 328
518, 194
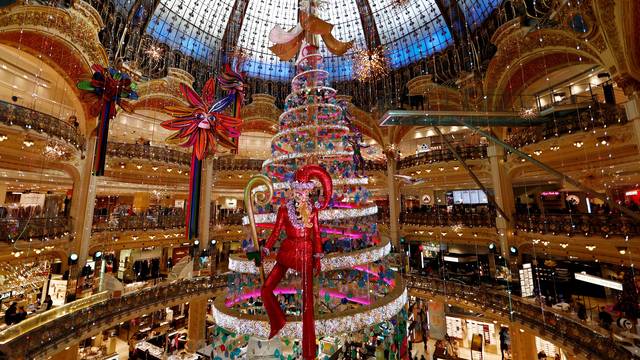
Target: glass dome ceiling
408, 32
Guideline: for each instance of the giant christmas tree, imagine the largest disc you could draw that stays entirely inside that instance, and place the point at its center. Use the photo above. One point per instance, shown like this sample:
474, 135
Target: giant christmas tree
355, 292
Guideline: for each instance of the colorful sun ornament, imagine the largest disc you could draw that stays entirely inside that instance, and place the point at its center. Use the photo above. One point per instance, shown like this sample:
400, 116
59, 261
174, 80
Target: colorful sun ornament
203, 127
106, 89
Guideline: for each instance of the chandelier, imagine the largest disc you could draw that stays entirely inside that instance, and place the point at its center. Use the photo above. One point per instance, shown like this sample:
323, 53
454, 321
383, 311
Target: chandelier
400, 3
370, 64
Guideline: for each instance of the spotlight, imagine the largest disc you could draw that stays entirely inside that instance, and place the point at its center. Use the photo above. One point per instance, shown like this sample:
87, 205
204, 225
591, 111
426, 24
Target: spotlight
622, 250
97, 256
492, 246
196, 242
73, 259
3, 137
513, 250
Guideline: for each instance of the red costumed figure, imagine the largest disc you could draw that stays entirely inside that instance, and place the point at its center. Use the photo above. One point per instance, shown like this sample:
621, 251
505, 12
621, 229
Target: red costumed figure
301, 251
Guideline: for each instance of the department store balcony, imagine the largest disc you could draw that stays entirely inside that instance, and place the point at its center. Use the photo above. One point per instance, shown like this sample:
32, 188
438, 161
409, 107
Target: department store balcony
32, 227
468, 152
41, 334
485, 218
592, 116
603, 225
13, 115
135, 222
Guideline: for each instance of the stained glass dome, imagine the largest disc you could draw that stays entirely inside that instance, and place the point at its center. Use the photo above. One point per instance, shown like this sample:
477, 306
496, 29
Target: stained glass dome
408, 30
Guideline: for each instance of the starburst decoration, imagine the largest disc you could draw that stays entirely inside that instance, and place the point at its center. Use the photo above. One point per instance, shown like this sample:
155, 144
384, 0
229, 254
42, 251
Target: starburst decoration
55, 151
154, 52
370, 64
529, 113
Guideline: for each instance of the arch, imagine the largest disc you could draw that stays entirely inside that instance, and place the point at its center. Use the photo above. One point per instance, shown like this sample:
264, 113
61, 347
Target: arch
517, 46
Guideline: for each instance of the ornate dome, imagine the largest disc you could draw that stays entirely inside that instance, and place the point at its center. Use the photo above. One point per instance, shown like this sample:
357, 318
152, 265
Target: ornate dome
407, 29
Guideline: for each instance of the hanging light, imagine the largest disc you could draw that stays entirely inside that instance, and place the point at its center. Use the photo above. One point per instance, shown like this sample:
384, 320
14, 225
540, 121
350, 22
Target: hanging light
28, 142
3, 137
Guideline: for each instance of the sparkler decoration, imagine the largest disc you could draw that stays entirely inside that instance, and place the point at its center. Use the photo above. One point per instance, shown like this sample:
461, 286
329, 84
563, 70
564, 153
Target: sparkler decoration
370, 64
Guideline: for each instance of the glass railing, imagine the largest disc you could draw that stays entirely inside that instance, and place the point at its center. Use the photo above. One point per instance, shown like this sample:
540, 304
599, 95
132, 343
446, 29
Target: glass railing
479, 219
470, 152
28, 325
28, 119
579, 224
32, 228
136, 222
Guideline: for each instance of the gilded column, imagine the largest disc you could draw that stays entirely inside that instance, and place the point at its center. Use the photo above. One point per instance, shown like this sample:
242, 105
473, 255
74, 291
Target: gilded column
82, 205
197, 322
503, 193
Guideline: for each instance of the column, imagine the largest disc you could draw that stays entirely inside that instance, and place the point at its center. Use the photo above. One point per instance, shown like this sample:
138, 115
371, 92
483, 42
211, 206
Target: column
82, 204
141, 201
3, 193
394, 201
503, 193
632, 109
437, 320
197, 323
70, 353
523, 343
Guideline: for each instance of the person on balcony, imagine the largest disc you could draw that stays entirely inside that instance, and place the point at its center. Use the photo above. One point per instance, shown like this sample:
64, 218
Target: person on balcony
10, 314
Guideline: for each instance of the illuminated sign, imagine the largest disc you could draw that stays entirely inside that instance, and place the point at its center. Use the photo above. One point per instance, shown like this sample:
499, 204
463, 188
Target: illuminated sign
631, 193
598, 281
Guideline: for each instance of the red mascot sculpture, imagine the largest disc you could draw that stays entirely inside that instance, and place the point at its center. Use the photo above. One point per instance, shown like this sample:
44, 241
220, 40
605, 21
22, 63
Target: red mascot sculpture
300, 251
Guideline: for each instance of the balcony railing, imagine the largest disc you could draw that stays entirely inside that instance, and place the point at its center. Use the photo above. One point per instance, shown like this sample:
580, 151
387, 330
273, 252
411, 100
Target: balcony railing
28, 119
33, 228
578, 224
482, 219
148, 152
467, 153
26, 341
136, 222
598, 116
237, 164
593, 341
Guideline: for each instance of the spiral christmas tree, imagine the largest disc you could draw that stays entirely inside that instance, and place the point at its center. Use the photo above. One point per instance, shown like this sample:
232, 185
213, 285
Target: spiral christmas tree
355, 290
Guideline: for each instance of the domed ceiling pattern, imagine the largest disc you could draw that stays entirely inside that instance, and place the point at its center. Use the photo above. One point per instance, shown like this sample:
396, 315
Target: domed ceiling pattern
409, 30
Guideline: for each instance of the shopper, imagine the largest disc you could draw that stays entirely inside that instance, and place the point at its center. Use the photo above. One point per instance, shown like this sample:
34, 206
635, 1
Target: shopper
10, 314
605, 318
48, 302
504, 341
582, 312
21, 314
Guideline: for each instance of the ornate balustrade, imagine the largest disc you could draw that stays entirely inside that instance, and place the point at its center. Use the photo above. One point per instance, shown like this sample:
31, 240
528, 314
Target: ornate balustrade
46, 338
237, 164
595, 342
578, 224
42, 228
28, 119
148, 152
375, 165
167, 155
136, 222
598, 116
486, 219
467, 153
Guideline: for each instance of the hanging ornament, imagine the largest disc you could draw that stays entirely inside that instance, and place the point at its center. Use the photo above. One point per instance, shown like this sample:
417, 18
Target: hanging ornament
106, 88
203, 126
